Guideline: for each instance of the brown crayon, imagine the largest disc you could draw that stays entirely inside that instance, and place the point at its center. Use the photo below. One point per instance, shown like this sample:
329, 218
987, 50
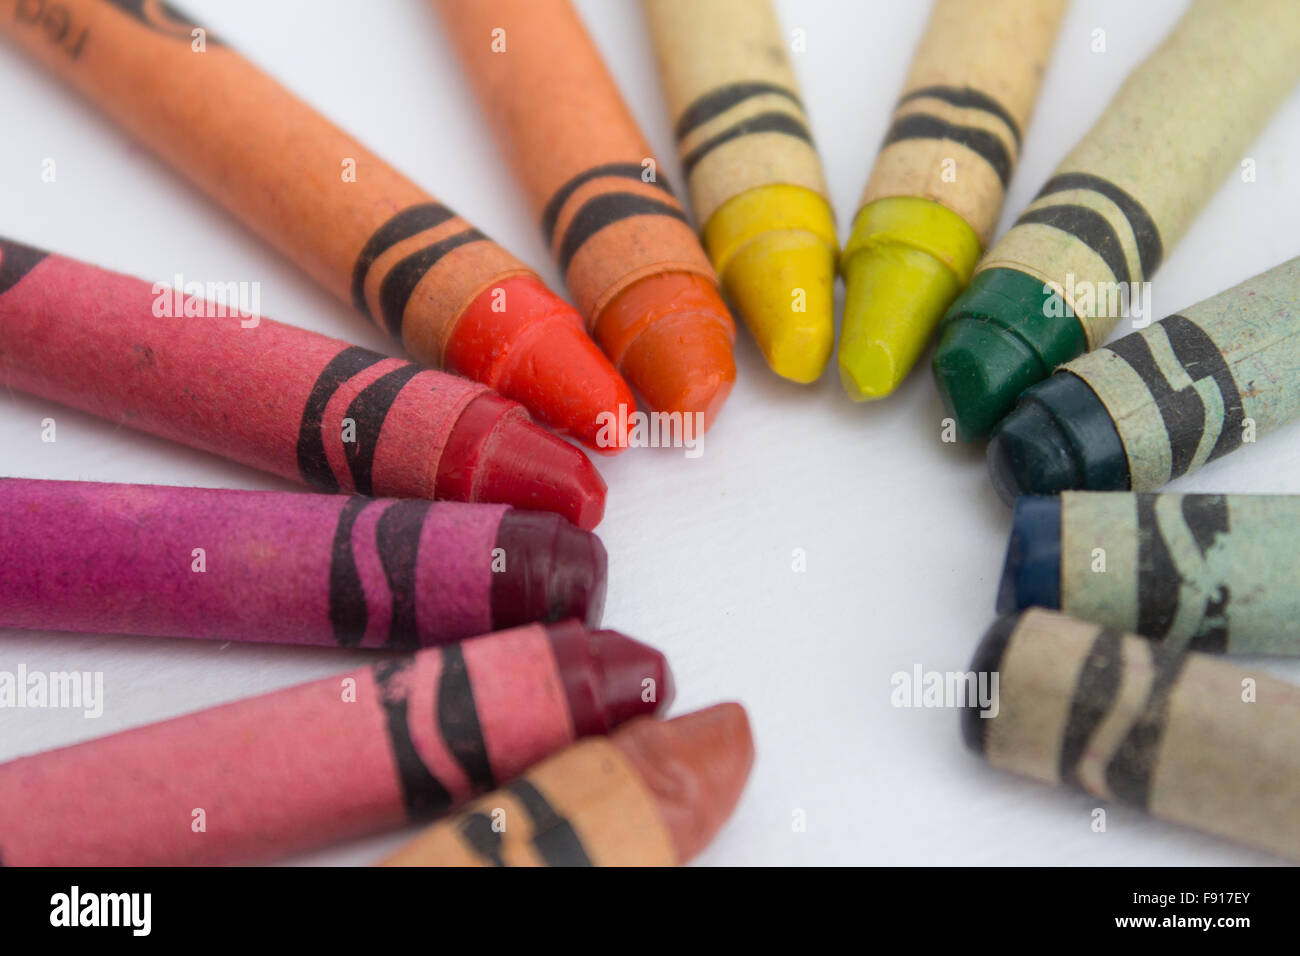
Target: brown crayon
654, 793
631, 261
359, 227
1187, 737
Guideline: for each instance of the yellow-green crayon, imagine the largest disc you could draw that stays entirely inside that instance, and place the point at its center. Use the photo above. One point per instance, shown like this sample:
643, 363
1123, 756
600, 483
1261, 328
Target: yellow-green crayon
936, 191
755, 180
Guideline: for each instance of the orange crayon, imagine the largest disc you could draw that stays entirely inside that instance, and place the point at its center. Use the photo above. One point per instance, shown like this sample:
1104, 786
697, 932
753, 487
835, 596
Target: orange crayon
374, 238
632, 262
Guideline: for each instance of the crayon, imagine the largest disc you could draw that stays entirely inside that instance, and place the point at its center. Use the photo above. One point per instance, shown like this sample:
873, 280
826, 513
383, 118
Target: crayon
755, 181
1216, 573
1057, 283
400, 741
653, 793
934, 196
631, 261
285, 567
375, 239
1160, 402
297, 404
1187, 737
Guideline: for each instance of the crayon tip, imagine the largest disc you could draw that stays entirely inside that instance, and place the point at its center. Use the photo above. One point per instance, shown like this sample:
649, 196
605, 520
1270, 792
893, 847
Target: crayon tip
774, 247
553, 571
672, 336
904, 264
1031, 574
497, 454
783, 286
530, 345
999, 338
696, 766
1058, 437
609, 677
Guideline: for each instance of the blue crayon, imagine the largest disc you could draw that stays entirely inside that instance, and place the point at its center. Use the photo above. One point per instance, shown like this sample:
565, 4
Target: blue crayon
1214, 573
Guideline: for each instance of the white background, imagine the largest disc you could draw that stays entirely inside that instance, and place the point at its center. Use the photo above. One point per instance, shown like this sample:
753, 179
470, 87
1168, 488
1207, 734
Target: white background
903, 534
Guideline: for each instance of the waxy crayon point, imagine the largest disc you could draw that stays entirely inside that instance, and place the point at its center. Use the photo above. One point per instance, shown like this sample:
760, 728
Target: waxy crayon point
553, 571
673, 337
905, 262
529, 468
1057, 437
1031, 574
774, 247
609, 677
1007, 331
763, 279
539, 354
709, 752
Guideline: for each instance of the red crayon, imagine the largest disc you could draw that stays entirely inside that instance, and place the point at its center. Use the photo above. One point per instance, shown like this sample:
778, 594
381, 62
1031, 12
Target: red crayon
285, 567
403, 740
288, 401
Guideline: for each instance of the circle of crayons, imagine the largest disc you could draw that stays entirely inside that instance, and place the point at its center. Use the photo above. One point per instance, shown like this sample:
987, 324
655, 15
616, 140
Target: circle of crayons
507, 695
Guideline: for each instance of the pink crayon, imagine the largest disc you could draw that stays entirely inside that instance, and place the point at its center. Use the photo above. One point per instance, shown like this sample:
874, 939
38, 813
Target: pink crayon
285, 567
285, 400
403, 740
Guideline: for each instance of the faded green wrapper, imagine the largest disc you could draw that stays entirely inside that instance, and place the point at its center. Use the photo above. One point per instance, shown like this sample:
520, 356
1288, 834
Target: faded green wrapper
1182, 121
1198, 384
1217, 571
1190, 738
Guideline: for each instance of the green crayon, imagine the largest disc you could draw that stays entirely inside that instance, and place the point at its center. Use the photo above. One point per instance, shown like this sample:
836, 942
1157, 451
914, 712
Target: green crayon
1055, 285
1190, 738
1214, 573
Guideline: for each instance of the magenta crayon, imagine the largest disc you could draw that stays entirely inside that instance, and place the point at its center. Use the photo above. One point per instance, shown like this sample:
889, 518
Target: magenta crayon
402, 740
301, 405
285, 567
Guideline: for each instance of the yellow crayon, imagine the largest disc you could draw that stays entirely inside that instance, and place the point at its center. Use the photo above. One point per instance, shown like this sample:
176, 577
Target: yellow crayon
936, 191
754, 177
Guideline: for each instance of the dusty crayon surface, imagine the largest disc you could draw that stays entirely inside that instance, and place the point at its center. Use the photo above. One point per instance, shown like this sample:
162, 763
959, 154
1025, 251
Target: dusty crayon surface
1217, 572
957, 130
1197, 384
1185, 736
403, 740
269, 566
